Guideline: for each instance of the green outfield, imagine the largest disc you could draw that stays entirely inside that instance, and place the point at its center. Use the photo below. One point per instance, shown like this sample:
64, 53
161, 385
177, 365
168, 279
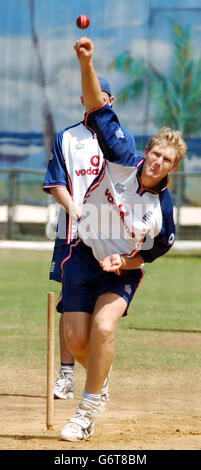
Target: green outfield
165, 308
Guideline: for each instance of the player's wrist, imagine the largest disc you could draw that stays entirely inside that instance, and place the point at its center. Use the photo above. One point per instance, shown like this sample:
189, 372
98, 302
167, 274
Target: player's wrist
123, 262
86, 65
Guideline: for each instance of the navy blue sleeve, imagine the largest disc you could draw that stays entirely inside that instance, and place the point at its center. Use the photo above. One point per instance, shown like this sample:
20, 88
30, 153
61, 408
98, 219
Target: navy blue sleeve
165, 239
56, 174
116, 143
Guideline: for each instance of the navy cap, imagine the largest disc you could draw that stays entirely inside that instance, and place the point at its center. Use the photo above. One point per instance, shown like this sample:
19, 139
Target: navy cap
105, 86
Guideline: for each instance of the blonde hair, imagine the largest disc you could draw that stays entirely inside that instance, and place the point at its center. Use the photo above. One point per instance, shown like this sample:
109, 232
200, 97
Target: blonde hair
169, 137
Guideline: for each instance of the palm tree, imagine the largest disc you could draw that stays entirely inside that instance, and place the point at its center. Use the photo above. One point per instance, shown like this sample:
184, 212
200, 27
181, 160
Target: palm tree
48, 130
176, 98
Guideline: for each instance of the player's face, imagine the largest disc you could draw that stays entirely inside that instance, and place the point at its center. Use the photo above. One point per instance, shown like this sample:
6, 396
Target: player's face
159, 161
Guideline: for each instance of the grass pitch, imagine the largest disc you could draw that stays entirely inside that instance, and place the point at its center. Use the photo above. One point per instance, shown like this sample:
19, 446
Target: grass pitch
168, 299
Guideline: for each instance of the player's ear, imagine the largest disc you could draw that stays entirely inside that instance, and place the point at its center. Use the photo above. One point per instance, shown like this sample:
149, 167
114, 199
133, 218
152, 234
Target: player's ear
174, 168
145, 151
111, 100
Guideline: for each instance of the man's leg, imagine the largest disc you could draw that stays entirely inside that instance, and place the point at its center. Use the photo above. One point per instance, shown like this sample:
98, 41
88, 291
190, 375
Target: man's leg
98, 355
64, 387
77, 332
65, 354
108, 310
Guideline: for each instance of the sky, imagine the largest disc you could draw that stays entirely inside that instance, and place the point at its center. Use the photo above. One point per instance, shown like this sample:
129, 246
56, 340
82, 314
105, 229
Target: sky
115, 27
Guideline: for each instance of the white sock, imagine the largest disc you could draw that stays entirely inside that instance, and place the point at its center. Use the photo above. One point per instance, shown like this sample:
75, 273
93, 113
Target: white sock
67, 369
91, 396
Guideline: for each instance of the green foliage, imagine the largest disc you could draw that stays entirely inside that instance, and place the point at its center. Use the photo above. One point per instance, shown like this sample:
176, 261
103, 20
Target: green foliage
177, 97
126, 64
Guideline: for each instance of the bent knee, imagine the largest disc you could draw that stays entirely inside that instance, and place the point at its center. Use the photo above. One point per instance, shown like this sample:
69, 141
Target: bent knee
77, 331
104, 329
75, 341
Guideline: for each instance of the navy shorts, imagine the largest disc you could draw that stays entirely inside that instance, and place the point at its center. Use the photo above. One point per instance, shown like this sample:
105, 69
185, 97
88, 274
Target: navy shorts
84, 280
55, 268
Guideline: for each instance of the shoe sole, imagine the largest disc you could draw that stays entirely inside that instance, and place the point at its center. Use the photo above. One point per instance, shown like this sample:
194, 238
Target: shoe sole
58, 395
74, 439
69, 396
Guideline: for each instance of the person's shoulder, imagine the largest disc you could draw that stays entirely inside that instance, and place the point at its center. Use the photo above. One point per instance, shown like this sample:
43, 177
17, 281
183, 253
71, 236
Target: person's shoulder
67, 130
166, 201
73, 128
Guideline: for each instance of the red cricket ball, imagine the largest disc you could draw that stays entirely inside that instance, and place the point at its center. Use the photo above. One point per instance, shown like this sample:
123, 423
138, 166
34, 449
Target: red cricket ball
82, 21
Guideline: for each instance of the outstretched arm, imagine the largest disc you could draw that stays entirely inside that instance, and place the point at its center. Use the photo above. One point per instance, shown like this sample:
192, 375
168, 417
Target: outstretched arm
115, 143
90, 85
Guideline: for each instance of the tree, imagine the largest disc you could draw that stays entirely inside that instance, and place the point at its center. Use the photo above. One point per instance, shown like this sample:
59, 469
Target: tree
177, 97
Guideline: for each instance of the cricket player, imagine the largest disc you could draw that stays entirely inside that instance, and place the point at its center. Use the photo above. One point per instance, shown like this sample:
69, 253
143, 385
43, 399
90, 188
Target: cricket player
75, 161
104, 266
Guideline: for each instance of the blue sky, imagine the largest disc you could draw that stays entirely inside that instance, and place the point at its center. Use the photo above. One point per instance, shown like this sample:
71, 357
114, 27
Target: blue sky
14, 18
120, 21
115, 26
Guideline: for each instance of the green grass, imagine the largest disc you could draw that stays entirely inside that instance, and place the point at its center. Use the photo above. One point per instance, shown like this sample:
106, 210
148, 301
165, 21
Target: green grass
167, 299
153, 350
23, 292
169, 295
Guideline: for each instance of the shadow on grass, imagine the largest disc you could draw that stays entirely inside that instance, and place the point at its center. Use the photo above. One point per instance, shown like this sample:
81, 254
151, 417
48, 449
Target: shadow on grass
21, 395
28, 437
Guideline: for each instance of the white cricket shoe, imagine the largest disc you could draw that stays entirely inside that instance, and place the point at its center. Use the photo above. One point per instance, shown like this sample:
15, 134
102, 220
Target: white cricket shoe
81, 426
63, 387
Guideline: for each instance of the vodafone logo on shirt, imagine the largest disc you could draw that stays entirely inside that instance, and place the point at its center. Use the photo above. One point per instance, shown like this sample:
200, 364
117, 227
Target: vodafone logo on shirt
93, 169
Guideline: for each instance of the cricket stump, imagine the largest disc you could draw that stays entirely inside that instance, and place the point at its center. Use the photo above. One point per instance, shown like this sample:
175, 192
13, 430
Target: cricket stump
50, 361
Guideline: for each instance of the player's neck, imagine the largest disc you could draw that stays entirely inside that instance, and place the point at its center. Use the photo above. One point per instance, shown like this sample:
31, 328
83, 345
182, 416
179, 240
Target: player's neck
150, 183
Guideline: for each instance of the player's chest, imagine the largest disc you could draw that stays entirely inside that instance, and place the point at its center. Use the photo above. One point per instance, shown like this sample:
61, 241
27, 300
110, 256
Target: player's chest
83, 159
133, 208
